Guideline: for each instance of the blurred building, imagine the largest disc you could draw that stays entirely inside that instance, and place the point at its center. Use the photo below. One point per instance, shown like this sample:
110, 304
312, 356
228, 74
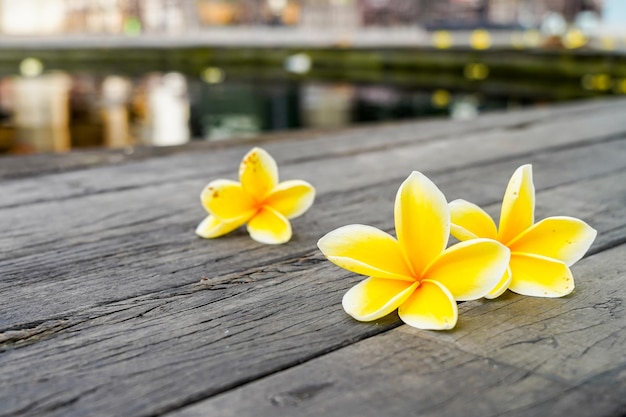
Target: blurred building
133, 17
20, 18
43, 17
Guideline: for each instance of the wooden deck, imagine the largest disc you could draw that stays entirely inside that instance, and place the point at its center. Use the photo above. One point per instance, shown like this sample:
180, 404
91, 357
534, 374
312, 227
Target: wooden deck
111, 306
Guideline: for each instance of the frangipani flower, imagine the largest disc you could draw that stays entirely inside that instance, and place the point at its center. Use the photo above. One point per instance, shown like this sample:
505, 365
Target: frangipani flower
259, 200
541, 253
415, 274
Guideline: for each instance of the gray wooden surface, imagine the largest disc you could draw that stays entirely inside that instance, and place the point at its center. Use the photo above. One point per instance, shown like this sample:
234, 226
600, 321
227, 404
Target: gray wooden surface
111, 306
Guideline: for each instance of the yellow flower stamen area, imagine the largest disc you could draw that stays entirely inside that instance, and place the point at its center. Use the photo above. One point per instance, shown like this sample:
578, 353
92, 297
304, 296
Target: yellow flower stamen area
258, 199
542, 252
471, 269
414, 273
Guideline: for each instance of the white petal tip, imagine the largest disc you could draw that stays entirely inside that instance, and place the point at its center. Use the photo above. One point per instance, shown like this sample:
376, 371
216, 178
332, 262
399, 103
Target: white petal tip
200, 233
445, 325
270, 239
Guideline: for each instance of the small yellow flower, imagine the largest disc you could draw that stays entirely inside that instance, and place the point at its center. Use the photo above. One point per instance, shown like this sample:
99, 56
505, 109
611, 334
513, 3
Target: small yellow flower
415, 274
258, 200
541, 253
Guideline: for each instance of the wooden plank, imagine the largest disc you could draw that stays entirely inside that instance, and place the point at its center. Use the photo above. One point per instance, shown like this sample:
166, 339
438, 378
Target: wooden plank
120, 232
520, 131
110, 305
512, 356
393, 164
169, 348
110, 234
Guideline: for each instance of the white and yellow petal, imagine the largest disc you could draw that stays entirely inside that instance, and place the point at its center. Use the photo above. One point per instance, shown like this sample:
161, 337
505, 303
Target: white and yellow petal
540, 276
374, 298
470, 269
422, 220
468, 221
227, 200
258, 173
430, 307
366, 250
563, 238
502, 285
518, 205
291, 198
213, 227
269, 226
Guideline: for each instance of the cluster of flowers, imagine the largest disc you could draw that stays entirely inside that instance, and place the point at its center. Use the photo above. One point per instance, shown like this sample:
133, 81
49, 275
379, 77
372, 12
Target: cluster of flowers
415, 273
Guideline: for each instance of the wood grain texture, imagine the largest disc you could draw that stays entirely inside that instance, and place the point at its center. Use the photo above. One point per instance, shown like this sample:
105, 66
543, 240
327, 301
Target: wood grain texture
101, 233
111, 306
512, 356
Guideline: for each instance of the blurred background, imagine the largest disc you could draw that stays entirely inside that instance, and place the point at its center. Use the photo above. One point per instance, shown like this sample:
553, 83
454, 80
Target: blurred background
116, 73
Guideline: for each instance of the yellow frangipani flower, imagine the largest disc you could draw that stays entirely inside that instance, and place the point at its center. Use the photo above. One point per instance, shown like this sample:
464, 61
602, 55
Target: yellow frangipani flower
541, 253
415, 274
258, 200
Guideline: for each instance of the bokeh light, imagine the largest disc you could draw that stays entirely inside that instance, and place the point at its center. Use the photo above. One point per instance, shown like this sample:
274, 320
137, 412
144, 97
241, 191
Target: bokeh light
442, 39
31, 67
574, 39
298, 63
480, 39
213, 75
441, 98
476, 71
596, 82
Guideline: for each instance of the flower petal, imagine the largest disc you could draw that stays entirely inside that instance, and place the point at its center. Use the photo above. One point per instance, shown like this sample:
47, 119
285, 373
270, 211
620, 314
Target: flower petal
258, 173
366, 250
563, 238
539, 276
470, 269
430, 307
502, 286
374, 298
213, 227
518, 205
227, 200
422, 219
291, 198
468, 221
269, 226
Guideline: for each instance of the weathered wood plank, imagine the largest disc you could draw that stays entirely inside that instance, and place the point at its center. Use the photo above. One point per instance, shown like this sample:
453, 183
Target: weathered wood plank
392, 164
101, 234
114, 243
177, 346
103, 312
512, 356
